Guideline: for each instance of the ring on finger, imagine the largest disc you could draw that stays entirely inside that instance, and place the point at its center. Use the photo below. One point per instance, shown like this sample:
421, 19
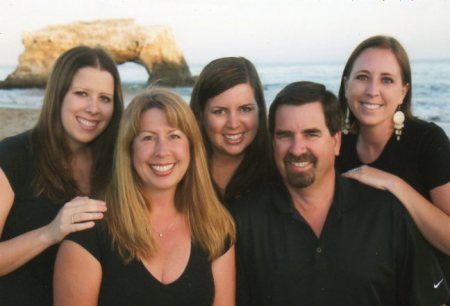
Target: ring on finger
72, 219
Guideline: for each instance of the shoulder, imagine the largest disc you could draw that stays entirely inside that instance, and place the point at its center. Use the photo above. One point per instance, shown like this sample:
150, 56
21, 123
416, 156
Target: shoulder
417, 130
256, 208
94, 240
13, 144
16, 160
357, 196
252, 202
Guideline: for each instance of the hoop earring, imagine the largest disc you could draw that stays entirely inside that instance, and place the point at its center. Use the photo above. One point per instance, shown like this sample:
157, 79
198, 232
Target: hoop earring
399, 119
346, 128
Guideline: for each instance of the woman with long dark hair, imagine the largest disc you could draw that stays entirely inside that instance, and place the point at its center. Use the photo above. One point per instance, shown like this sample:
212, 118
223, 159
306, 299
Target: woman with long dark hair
48, 173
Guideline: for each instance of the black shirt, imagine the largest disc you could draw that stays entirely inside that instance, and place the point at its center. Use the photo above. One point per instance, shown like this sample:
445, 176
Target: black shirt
30, 284
132, 284
369, 252
421, 158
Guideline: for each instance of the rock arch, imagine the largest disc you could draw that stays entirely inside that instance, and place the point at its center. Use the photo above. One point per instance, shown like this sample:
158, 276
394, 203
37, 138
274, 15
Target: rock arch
153, 47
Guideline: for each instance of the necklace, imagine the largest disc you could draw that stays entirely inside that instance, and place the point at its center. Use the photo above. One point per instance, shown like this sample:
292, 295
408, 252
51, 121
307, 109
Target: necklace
166, 230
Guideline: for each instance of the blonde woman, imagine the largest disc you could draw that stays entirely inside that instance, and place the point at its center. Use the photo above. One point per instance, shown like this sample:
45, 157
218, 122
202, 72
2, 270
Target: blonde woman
166, 239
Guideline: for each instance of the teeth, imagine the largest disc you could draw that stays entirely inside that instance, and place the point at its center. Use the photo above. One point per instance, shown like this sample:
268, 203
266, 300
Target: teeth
371, 106
87, 122
162, 168
234, 137
301, 164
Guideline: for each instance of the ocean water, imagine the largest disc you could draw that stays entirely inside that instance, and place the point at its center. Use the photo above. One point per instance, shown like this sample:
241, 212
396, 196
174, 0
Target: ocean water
431, 85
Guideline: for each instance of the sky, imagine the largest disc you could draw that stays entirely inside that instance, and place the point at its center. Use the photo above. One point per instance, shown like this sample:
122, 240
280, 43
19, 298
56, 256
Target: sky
274, 31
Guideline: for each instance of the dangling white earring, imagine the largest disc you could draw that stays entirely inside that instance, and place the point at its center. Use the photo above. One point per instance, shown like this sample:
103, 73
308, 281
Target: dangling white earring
399, 119
346, 128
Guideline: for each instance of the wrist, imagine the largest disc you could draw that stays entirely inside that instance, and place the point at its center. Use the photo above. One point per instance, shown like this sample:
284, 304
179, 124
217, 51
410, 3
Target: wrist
46, 237
394, 184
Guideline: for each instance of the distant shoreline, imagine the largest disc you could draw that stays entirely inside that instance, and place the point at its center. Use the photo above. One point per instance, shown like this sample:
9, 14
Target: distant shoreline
17, 120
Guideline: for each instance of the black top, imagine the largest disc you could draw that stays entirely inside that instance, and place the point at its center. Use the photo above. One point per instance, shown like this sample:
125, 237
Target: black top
30, 284
369, 252
421, 158
133, 284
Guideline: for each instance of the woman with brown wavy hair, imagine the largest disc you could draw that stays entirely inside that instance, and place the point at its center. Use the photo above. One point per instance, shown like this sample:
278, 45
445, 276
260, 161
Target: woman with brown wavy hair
166, 239
387, 147
228, 102
43, 171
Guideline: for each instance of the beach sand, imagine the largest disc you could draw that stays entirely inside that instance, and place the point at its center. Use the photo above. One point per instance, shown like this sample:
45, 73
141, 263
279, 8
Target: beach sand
14, 121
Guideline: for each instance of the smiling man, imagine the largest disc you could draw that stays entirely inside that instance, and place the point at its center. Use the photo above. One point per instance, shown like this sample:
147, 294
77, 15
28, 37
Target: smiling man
316, 238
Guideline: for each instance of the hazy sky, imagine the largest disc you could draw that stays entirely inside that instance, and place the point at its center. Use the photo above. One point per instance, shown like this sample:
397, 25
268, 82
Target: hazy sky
262, 30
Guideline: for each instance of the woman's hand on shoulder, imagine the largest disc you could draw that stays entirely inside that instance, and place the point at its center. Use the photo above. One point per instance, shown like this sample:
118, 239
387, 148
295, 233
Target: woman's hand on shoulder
373, 177
76, 215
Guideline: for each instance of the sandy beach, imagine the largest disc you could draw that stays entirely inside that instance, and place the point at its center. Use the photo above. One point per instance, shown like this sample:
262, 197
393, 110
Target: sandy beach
13, 121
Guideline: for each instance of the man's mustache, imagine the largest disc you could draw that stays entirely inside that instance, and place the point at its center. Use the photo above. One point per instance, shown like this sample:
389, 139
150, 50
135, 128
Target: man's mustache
289, 158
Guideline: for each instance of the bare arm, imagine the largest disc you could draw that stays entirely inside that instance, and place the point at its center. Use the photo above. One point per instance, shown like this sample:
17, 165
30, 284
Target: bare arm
224, 274
432, 219
19, 250
77, 276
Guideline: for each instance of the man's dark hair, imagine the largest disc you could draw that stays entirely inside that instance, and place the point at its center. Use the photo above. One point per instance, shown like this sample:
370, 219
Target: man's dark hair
299, 93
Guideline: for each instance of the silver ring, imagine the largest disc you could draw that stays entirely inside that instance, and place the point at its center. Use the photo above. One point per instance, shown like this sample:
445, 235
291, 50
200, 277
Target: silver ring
72, 219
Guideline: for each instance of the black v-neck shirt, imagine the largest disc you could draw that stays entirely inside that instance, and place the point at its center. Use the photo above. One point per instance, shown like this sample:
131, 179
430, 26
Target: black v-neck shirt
132, 284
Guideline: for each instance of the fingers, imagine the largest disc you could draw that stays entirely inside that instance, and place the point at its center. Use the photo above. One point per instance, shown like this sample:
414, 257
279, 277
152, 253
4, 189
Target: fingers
85, 216
79, 214
76, 215
86, 204
354, 173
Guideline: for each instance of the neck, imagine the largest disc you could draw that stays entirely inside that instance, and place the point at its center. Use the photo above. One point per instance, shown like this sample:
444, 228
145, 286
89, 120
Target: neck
161, 200
371, 142
314, 202
164, 217
223, 168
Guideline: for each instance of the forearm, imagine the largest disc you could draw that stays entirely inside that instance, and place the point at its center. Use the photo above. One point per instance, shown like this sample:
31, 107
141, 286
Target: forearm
17, 251
433, 223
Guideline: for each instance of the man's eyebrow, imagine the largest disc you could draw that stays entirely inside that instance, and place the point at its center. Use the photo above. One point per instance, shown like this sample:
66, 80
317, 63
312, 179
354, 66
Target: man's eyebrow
312, 130
281, 131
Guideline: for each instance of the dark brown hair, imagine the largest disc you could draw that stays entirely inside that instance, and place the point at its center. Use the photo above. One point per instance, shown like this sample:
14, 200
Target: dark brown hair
215, 78
54, 178
304, 92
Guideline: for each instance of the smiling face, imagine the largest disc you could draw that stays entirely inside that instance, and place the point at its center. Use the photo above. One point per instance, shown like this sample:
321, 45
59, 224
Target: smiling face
88, 106
160, 152
231, 120
304, 149
374, 88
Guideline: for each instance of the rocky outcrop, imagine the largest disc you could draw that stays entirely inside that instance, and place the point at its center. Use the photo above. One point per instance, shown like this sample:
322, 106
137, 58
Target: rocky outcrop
153, 47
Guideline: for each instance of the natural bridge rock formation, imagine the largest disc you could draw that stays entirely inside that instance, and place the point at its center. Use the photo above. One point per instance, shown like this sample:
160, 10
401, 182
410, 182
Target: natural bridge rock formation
153, 47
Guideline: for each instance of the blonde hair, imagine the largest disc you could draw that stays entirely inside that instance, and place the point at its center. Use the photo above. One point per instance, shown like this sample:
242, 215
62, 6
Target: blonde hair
128, 210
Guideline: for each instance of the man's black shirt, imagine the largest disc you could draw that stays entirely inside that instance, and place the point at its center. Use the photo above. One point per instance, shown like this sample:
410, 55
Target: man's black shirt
369, 252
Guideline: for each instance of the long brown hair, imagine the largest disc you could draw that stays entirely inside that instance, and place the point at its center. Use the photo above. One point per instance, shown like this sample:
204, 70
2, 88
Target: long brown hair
216, 77
54, 178
128, 210
381, 42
